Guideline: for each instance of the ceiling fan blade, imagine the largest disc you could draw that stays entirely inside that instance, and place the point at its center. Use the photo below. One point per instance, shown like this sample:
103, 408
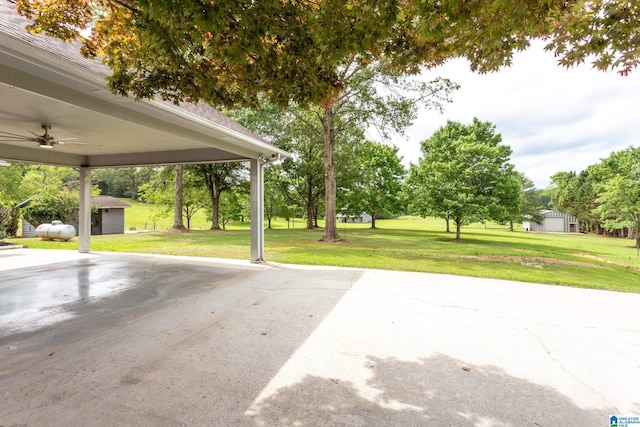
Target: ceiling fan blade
15, 135
10, 139
15, 139
92, 144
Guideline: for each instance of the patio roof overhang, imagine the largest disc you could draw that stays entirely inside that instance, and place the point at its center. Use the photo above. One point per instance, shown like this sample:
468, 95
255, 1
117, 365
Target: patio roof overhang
45, 81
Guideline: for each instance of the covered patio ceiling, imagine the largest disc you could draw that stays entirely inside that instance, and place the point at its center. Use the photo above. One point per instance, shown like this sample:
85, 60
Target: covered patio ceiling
44, 81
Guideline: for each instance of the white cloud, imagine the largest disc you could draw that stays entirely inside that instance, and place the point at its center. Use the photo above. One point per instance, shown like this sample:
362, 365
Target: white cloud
554, 119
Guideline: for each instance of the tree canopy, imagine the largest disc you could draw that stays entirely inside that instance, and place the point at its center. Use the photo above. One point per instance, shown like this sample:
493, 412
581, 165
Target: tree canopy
605, 196
464, 173
230, 51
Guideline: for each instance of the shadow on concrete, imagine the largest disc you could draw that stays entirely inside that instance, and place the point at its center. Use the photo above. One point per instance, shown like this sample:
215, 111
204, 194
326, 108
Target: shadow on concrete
436, 391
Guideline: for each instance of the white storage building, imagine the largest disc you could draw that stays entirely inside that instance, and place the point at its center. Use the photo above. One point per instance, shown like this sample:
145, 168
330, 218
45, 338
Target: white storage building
556, 222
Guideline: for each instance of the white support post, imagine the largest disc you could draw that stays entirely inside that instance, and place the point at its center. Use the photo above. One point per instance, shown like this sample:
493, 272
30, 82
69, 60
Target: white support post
257, 211
84, 225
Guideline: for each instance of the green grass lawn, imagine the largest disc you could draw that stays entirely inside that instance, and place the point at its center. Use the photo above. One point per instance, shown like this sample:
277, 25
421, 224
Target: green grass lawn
146, 216
408, 244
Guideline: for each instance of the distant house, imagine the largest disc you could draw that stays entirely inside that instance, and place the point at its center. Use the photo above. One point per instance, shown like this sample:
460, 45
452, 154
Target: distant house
556, 222
362, 218
110, 216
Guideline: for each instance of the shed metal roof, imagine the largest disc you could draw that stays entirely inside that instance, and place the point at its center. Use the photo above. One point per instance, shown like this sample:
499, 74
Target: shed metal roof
108, 202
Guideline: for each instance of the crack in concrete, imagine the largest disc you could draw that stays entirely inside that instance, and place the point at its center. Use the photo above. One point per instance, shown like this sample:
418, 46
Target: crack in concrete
565, 369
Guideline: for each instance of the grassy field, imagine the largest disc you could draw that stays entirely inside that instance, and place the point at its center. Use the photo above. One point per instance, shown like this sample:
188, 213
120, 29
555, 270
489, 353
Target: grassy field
409, 244
144, 216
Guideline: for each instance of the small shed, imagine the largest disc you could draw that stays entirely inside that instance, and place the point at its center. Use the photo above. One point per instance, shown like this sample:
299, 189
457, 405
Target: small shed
555, 222
362, 218
28, 230
110, 216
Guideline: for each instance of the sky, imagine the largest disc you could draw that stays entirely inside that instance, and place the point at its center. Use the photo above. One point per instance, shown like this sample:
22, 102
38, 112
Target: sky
554, 119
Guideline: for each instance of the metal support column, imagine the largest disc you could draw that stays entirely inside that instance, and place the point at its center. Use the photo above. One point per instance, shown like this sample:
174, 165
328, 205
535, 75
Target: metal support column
257, 211
84, 226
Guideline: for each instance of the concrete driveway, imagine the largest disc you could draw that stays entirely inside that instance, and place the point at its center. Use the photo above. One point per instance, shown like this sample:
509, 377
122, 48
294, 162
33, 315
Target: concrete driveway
141, 340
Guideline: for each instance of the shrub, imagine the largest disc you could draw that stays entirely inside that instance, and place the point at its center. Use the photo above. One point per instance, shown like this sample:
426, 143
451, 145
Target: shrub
8, 220
53, 205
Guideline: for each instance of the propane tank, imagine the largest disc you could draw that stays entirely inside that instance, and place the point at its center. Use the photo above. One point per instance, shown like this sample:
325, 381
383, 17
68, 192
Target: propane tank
56, 230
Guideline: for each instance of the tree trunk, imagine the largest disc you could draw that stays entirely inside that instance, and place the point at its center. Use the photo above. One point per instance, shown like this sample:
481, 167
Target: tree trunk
373, 220
215, 209
177, 200
446, 218
215, 203
458, 222
511, 225
310, 216
328, 143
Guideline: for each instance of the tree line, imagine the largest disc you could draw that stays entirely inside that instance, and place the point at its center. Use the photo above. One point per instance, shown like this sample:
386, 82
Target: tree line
605, 197
464, 176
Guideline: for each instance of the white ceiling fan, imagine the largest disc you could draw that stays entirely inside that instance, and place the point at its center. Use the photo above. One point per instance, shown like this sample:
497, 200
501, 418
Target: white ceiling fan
45, 140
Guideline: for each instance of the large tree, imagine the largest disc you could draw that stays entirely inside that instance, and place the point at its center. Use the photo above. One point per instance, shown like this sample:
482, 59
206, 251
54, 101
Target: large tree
577, 194
531, 206
462, 172
217, 179
377, 187
374, 98
507, 197
178, 199
298, 178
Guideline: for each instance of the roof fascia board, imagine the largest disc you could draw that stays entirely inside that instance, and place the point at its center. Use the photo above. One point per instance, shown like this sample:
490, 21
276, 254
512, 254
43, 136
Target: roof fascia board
41, 155
251, 143
205, 155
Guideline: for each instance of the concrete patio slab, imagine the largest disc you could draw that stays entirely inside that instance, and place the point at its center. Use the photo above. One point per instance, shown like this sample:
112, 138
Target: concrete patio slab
150, 340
